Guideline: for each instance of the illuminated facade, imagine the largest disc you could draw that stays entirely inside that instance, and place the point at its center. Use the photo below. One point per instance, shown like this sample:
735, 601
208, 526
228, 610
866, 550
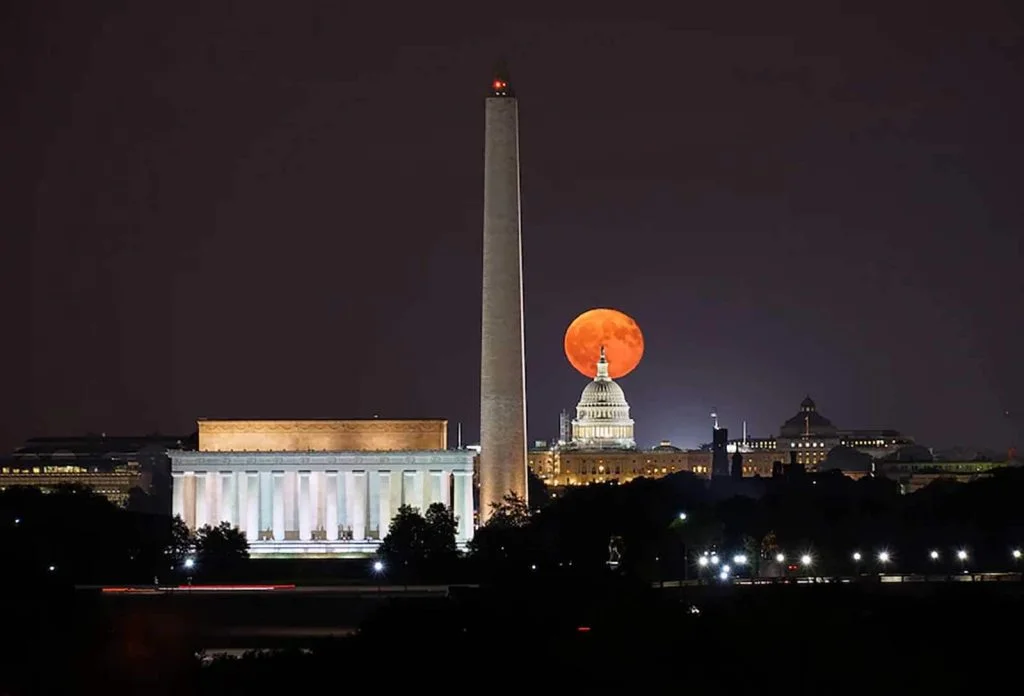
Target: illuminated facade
808, 436
602, 415
319, 488
110, 466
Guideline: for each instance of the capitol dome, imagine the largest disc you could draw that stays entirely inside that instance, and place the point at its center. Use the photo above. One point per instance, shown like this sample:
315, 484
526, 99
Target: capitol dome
602, 414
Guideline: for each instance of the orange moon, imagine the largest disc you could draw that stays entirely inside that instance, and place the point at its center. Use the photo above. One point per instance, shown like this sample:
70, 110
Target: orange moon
617, 332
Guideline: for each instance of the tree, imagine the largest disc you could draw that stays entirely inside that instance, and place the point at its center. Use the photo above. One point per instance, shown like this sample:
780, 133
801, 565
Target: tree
441, 529
511, 513
181, 543
420, 544
404, 544
221, 550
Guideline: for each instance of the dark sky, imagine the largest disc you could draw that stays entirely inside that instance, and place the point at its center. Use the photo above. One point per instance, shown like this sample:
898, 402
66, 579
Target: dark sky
273, 209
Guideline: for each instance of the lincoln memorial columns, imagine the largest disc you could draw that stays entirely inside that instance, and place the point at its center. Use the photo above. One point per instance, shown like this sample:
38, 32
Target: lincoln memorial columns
331, 505
358, 502
178, 494
278, 497
464, 503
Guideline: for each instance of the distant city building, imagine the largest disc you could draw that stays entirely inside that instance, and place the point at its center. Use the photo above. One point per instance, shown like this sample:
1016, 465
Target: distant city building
109, 465
319, 488
602, 415
811, 436
602, 448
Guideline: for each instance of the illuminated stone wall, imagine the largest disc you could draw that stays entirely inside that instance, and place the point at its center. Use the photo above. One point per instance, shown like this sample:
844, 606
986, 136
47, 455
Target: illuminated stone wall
322, 435
576, 468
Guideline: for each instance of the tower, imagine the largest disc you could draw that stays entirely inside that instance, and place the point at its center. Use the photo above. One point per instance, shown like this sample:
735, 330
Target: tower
502, 367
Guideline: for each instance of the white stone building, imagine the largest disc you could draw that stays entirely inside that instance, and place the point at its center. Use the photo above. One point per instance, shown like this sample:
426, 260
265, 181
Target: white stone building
602, 414
319, 487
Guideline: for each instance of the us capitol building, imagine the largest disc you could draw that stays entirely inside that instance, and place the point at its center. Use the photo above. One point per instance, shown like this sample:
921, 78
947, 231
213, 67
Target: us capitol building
601, 447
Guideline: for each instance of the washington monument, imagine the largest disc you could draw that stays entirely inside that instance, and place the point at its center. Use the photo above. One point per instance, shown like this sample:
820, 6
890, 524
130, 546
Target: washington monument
502, 368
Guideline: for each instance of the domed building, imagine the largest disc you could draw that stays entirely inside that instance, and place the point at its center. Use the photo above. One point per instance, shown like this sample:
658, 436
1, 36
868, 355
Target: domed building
602, 415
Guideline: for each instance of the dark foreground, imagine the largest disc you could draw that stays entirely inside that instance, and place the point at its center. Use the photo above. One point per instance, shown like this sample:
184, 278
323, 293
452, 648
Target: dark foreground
601, 633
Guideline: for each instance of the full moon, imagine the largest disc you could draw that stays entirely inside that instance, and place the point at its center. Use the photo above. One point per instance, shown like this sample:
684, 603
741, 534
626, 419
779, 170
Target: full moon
617, 332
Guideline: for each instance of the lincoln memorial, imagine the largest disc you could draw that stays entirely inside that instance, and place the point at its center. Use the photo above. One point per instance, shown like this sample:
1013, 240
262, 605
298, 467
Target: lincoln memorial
319, 487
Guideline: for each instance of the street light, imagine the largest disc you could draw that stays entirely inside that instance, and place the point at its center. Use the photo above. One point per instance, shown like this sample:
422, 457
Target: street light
739, 559
780, 557
962, 557
682, 516
1016, 554
934, 555
857, 556
714, 559
702, 561
189, 563
378, 567
805, 559
883, 557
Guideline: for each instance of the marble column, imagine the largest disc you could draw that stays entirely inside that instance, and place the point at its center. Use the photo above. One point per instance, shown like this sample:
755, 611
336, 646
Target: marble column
252, 506
202, 499
228, 499
446, 489
178, 494
331, 505
189, 492
464, 503
408, 485
305, 505
241, 499
357, 502
278, 505
384, 500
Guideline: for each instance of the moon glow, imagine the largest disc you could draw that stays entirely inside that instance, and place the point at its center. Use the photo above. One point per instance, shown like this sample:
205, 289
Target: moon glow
617, 332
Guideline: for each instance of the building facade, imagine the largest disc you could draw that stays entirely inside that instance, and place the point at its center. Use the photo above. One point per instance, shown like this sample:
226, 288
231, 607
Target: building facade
110, 465
319, 488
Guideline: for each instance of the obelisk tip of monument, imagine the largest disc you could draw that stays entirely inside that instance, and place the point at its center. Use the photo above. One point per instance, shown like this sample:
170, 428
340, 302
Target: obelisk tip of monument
500, 84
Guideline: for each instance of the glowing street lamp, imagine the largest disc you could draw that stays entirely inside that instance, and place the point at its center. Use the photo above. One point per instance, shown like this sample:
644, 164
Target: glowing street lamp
682, 516
883, 557
189, 563
857, 557
714, 559
805, 560
780, 557
1016, 553
702, 561
961, 556
378, 567
934, 555
739, 559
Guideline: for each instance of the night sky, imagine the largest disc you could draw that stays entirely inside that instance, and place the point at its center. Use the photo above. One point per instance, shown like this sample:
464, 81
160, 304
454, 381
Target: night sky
274, 209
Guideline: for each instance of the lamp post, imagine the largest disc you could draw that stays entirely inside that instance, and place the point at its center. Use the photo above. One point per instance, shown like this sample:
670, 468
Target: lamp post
857, 557
378, 571
883, 560
962, 557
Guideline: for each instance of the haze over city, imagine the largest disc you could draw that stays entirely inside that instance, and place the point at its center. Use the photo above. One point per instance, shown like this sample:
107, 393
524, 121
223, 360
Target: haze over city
217, 212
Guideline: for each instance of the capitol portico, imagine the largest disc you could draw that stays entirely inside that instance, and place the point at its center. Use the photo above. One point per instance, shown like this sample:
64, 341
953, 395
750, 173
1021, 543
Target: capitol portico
319, 487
